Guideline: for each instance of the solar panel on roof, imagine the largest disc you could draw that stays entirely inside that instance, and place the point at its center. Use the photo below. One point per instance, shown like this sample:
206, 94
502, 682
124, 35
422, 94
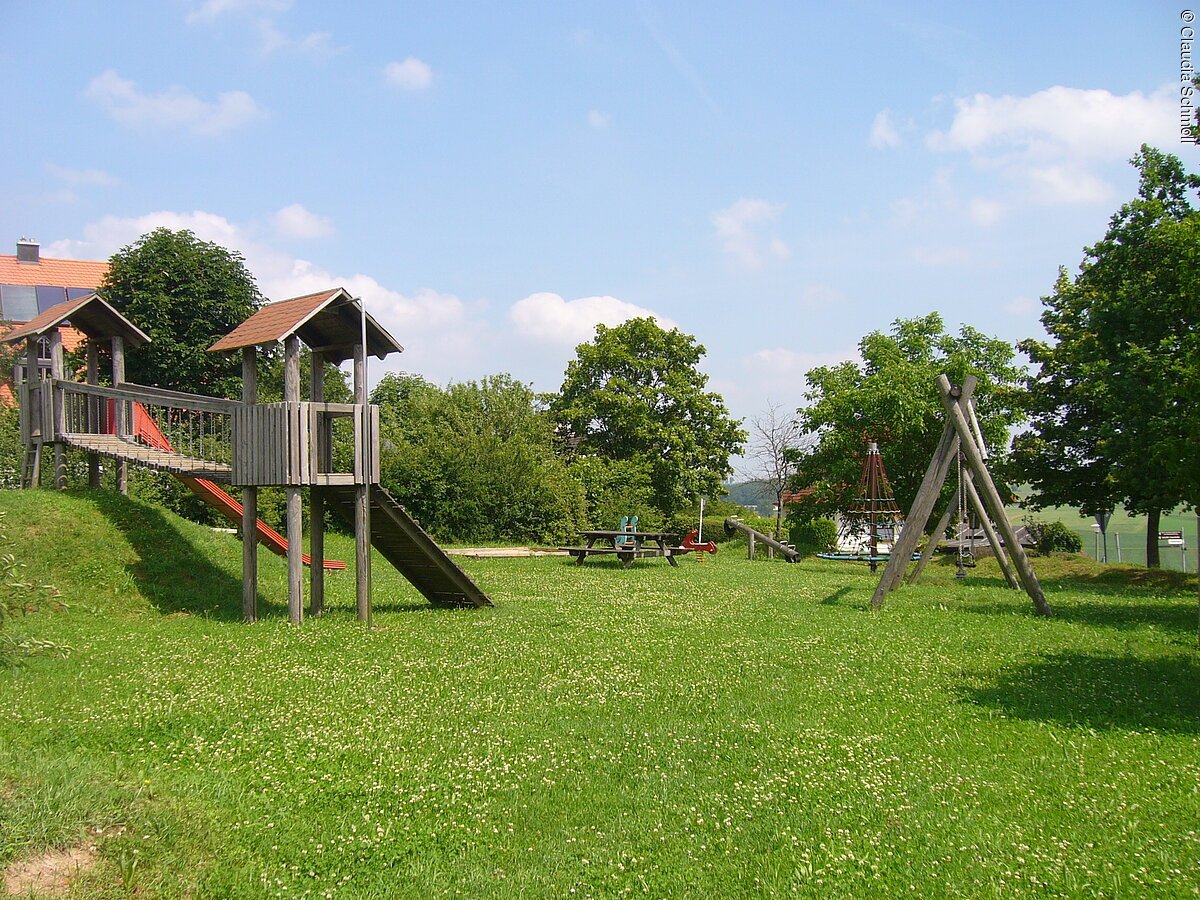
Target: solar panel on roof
18, 302
76, 293
49, 296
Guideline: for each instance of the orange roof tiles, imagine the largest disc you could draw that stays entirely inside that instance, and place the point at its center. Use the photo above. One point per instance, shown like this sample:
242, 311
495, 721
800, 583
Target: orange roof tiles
77, 273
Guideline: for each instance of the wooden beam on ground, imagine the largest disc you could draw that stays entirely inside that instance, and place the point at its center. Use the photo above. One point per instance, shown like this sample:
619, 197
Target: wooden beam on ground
989, 494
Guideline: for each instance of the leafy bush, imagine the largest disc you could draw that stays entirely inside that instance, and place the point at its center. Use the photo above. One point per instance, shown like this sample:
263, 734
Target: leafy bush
812, 535
476, 462
1054, 537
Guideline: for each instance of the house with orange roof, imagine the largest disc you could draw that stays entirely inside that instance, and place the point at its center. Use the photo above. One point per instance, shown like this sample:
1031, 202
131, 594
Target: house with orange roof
31, 284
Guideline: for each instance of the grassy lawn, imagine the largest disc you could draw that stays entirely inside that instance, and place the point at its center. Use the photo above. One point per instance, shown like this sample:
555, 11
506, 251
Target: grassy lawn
724, 729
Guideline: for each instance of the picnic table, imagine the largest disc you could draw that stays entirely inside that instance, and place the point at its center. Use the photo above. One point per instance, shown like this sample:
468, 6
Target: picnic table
627, 546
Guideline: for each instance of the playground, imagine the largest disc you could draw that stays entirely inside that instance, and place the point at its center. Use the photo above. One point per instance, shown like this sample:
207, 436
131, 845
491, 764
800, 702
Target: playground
736, 728
733, 728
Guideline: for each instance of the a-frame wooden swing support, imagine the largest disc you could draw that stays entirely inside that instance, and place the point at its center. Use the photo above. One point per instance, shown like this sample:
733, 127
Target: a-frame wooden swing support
981, 493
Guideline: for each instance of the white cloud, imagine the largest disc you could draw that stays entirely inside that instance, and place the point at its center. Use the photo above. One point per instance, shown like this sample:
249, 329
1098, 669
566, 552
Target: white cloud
410, 75
598, 119
884, 131
317, 44
103, 238
738, 229
1050, 142
297, 222
173, 108
81, 177
549, 318
211, 10
1088, 123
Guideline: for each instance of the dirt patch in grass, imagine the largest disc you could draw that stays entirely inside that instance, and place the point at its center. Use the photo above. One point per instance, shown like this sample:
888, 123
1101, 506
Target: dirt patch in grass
50, 874
503, 552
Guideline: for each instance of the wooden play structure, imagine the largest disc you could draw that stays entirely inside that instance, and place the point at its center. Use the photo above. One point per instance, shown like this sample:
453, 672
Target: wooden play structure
205, 441
961, 433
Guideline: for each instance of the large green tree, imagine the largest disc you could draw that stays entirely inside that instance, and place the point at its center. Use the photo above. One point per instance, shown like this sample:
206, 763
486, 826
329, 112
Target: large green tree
476, 461
1112, 409
185, 293
891, 398
635, 394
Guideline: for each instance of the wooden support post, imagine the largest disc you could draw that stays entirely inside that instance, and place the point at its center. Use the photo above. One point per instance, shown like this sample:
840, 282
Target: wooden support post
94, 416
362, 505
316, 501
750, 552
934, 537
118, 378
918, 516
991, 497
992, 538
249, 499
57, 370
295, 536
34, 413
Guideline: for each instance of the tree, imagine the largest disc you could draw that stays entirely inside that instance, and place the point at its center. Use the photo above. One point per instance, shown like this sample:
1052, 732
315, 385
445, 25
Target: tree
1113, 416
185, 293
635, 393
476, 461
892, 399
777, 443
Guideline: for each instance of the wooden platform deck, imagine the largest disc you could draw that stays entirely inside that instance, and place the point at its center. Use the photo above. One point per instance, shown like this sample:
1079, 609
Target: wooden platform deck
130, 451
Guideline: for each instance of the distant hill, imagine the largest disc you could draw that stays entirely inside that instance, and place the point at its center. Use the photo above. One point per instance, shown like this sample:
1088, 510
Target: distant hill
752, 493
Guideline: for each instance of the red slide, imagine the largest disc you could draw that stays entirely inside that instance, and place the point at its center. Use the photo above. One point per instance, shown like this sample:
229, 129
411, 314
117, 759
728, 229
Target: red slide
149, 433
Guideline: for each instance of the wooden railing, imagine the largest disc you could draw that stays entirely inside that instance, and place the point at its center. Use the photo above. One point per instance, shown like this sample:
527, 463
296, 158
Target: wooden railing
188, 424
297, 443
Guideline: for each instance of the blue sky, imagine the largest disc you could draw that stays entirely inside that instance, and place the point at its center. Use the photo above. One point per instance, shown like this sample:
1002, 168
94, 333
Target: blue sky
777, 179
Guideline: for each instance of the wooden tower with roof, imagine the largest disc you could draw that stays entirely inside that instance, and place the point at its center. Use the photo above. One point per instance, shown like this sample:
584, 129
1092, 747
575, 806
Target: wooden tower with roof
43, 409
290, 444
204, 440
